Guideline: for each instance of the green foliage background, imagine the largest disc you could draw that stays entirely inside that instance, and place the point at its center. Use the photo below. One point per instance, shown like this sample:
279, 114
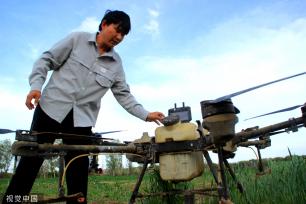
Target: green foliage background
286, 183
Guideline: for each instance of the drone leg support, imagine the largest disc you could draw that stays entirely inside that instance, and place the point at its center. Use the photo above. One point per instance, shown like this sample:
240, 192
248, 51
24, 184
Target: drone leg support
260, 165
210, 165
261, 169
137, 185
222, 185
189, 198
61, 188
230, 170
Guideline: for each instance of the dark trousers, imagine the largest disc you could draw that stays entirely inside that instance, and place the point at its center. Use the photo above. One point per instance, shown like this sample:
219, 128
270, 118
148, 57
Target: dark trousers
28, 167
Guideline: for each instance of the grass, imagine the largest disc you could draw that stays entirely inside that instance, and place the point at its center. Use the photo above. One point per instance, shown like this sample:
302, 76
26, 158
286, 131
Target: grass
155, 185
285, 184
110, 189
101, 189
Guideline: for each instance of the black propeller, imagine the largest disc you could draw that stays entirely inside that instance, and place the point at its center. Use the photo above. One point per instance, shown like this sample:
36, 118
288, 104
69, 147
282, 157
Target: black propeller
95, 135
227, 97
278, 111
5, 131
108, 132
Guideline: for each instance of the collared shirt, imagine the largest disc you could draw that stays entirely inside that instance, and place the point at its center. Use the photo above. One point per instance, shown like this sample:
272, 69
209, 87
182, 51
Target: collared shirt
80, 78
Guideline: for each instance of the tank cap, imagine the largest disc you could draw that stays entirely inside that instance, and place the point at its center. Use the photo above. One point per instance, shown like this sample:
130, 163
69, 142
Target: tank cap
170, 120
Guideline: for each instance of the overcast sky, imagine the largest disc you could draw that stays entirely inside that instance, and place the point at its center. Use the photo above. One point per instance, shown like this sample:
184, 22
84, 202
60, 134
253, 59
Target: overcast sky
177, 51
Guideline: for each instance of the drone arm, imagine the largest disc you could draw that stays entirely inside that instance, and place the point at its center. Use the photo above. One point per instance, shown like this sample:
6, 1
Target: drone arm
245, 135
23, 148
252, 143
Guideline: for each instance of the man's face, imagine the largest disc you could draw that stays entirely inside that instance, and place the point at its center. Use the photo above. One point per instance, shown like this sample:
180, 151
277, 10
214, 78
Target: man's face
110, 35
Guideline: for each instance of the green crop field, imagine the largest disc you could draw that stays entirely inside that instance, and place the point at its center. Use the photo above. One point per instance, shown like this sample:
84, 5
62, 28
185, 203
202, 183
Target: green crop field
285, 182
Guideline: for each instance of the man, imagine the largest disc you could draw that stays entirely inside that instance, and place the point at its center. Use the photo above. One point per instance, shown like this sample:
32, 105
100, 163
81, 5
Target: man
85, 66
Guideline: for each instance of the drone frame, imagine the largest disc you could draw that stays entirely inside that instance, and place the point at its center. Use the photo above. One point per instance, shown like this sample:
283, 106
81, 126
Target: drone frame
149, 151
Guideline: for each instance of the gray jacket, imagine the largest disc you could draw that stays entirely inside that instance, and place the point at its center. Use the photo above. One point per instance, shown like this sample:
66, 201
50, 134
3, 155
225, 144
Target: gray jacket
79, 80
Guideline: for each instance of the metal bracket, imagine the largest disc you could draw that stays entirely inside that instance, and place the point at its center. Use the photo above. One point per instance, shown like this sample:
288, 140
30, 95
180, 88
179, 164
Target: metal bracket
293, 126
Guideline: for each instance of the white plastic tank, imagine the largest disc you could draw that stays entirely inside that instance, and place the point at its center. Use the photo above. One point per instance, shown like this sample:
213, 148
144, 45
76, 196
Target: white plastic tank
179, 166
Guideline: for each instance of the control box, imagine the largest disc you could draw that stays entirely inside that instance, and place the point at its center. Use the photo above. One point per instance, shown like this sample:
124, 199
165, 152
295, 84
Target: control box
183, 112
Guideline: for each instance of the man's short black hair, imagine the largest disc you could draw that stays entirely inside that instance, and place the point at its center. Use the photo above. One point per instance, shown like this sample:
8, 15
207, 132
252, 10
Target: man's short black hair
117, 17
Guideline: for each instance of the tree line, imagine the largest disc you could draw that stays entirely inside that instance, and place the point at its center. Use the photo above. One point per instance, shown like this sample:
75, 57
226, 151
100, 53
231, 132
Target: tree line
6, 156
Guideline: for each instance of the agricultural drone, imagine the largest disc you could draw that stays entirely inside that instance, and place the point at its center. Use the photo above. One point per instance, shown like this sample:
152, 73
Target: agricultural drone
178, 146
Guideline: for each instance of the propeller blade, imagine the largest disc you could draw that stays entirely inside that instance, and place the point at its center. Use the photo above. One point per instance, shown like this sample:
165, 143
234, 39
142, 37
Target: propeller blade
108, 132
63, 135
99, 134
253, 88
278, 111
5, 131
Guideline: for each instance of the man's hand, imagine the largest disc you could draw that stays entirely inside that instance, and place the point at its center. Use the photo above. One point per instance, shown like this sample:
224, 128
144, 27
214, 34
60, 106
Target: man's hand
156, 117
34, 94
